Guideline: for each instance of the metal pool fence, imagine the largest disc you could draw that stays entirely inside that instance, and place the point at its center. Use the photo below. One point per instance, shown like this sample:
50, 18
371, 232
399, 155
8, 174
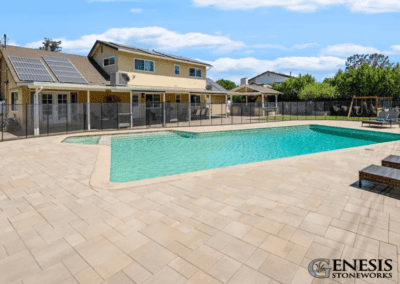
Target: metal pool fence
30, 120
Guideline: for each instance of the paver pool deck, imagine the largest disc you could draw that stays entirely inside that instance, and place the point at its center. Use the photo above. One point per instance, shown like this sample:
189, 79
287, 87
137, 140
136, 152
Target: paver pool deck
255, 223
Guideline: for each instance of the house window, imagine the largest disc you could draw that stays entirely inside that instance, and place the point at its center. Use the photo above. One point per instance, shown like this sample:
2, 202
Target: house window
14, 101
195, 72
47, 101
195, 100
178, 99
144, 65
135, 100
153, 101
177, 70
109, 61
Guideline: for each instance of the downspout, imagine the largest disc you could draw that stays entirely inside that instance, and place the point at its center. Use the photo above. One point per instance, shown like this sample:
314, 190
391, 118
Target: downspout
36, 111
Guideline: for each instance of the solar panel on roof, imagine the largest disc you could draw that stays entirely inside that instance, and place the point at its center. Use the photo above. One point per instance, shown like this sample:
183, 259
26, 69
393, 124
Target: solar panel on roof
64, 70
30, 69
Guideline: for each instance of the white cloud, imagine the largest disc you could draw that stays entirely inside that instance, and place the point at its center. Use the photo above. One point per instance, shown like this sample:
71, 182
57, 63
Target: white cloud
305, 45
248, 52
253, 65
110, 1
348, 49
394, 49
157, 37
281, 47
137, 10
362, 6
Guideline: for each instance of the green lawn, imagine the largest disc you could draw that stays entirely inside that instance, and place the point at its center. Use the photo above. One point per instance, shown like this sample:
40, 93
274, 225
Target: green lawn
318, 117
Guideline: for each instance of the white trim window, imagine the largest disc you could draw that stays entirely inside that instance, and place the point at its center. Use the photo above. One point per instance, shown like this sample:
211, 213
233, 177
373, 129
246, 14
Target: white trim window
135, 100
47, 104
144, 65
195, 72
195, 100
109, 61
177, 99
153, 101
177, 70
14, 101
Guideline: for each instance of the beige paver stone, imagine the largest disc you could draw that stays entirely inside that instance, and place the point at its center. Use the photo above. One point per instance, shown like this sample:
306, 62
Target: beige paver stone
219, 240
313, 228
75, 239
277, 246
183, 267
302, 238
387, 250
287, 232
318, 219
132, 242
237, 229
270, 226
3, 253
204, 257
166, 276
340, 235
202, 278
179, 249
70, 280
373, 232
257, 258
279, 269
17, 267
224, 269
317, 250
152, 256
352, 227
15, 247
119, 278
52, 253
239, 250
255, 237
137, 273
53, 274
351, 217
88, 276
193, 239
302, 276
297, 254
247, 275
75, 263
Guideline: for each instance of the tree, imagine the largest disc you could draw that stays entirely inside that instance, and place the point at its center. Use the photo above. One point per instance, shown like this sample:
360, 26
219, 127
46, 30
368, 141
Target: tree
227, 84
291, 87
374, 60
51, 45
318, 91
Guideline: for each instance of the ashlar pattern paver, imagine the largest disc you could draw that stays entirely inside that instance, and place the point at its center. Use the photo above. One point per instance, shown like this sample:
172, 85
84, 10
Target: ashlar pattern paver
253, 224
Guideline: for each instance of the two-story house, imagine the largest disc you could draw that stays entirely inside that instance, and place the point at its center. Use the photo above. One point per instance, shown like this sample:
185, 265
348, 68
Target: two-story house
268, 78
110, 73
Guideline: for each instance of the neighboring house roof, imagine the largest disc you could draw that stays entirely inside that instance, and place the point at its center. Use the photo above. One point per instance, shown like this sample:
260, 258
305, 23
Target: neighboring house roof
270, 72
214, 86
147, 52
261, 89
82, 63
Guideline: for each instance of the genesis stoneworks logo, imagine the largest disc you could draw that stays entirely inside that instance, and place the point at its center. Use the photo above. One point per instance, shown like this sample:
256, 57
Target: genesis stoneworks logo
356, 268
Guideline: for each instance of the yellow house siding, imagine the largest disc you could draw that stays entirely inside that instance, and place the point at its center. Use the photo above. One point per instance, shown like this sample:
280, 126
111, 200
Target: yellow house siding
107, 52
164, 72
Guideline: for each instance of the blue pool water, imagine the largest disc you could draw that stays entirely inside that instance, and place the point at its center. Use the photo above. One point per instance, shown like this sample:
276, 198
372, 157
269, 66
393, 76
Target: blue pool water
143, 156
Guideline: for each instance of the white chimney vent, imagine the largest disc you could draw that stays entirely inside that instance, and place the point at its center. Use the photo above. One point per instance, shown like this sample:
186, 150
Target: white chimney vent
244, 81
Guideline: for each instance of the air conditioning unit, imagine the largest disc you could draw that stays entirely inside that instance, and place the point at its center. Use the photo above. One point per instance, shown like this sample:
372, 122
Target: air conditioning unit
119, 79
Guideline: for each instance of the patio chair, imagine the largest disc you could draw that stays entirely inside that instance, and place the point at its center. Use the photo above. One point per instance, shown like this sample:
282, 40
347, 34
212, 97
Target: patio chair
379, 174
392, 161
384, 118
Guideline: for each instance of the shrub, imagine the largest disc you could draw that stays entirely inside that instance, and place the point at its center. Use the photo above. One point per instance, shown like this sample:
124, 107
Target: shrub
318, 91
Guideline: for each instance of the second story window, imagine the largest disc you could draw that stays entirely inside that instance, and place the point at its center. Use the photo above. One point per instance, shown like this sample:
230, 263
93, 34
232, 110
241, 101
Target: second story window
144, 65
195, 72
109, 61
177, 70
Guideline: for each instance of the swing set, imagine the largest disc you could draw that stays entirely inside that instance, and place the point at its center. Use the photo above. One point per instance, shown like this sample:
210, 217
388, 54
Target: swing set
379, 102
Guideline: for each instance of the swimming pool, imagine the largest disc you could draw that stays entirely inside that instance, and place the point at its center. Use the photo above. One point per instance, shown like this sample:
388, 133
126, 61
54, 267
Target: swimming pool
143, 156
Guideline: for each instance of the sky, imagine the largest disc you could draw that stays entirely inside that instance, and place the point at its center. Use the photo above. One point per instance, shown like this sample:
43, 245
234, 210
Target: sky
239, 38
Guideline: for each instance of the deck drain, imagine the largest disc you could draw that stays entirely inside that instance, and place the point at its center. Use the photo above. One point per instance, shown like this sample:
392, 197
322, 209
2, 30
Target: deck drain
369, 149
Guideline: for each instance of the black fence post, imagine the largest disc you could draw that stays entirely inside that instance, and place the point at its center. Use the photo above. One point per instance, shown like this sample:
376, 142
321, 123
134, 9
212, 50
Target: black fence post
118, 116
26, 120
66, 123
101, 116
48, 117
315, 110
241, 112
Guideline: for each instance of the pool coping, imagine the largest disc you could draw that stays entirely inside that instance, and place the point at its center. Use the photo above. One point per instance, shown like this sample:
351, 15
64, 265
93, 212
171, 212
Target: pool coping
100, 178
